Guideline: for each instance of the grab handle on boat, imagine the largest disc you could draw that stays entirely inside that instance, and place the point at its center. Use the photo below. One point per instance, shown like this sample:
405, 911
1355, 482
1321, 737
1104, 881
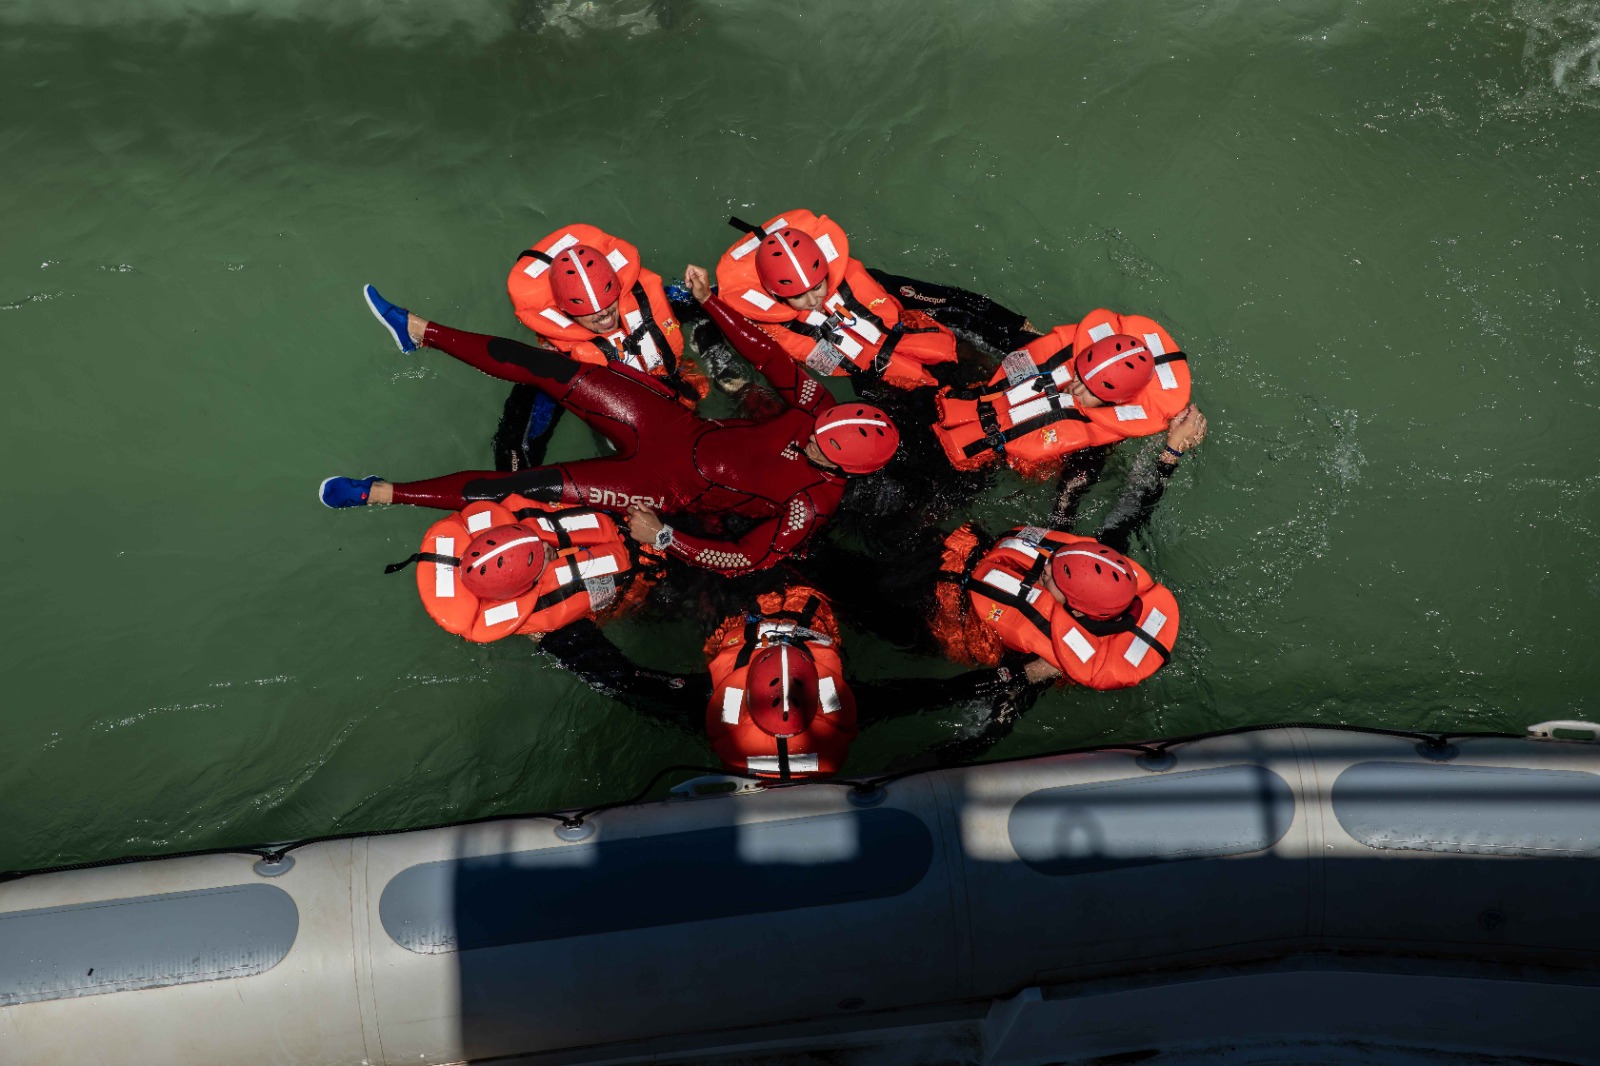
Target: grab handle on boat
715, 785
1547, 730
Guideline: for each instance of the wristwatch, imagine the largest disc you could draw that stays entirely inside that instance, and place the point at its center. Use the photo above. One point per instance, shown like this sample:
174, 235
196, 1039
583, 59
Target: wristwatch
664, 538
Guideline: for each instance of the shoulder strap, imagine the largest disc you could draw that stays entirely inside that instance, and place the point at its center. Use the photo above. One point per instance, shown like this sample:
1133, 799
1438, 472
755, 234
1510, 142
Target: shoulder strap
563, 538
752, 628
648, 327
422, 557
1018, 603
860, 309
564, 591
1127, 624
997, 438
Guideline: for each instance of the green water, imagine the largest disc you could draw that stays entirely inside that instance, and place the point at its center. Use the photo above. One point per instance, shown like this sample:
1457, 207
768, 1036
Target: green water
1372, 224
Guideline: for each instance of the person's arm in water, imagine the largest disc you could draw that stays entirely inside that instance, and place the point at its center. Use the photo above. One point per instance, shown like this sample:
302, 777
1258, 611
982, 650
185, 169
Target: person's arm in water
889, 698
1080, 473
791, 381
1008, 693
1132, 512
678, 699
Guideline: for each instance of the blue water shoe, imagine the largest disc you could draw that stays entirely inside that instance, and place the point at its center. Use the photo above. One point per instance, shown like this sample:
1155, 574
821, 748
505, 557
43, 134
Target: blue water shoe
393, 318
345, 491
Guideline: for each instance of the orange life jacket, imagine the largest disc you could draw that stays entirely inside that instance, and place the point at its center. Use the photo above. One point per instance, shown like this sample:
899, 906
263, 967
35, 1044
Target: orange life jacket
595, 571
647, 337
860, 330
962, 634
799, 615
1026, 413
1006, 590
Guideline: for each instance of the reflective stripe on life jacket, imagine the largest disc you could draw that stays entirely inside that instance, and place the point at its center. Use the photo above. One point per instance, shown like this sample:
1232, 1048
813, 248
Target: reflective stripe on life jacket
860, 330
647, 338
1007, 592
799, 616
1026, 414
591, 572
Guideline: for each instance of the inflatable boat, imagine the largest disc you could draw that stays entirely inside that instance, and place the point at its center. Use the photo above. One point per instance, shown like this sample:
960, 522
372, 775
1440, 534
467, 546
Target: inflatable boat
1277, 895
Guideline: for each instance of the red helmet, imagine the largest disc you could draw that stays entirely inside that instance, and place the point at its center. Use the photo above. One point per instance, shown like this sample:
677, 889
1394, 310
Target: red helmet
789, 263
1094, 579
856, 437
583, 282
502, 562
1114, 368
781, 690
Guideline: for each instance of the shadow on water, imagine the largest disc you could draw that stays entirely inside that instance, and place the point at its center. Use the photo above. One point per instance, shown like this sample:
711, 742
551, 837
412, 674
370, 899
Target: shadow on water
953, 892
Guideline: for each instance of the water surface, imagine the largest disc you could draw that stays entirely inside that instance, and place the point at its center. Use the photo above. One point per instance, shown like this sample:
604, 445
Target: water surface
1372, 225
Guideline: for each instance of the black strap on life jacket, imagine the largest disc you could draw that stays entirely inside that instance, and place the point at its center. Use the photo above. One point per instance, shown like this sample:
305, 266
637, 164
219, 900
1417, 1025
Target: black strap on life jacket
1171, 357
996, 438
534, 253
564, 591
859, 309
1049, 366
830, 332
563, 538
559, 594
752, 626
422, 557
647, 327
783, 758
747, 227
1018, 603
1127, 622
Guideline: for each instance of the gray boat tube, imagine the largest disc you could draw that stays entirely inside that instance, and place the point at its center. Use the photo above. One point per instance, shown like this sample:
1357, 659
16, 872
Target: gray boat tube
1249, 897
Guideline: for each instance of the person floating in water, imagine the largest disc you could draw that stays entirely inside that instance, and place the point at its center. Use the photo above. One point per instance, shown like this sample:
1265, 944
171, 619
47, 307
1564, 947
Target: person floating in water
586, 294
524, 567
780, 479
1085, 386
795, 278
1034, 598
774, 700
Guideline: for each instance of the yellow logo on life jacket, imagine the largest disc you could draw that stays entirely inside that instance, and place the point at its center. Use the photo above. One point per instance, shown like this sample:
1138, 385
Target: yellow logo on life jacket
995, 613
1049, 434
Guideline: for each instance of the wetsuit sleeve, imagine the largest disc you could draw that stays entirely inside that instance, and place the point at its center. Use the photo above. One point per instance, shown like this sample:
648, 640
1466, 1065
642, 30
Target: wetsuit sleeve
797, 387
767, 544
1003, 718
886, 700
1079, 474
1132, 512
678, 699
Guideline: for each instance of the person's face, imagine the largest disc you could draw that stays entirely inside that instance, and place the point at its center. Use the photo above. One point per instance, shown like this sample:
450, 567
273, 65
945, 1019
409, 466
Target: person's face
814, 453
811, 299
602, 321
1081, 396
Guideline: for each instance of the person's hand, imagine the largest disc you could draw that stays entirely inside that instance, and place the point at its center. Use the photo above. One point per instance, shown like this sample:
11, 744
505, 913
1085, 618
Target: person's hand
699, 282
1039, 670
643, 524
1187, 429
